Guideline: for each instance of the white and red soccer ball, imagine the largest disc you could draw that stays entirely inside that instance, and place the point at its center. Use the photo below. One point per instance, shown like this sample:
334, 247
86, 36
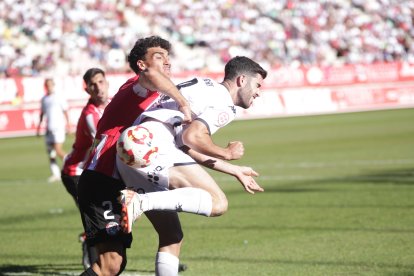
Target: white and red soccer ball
134, 147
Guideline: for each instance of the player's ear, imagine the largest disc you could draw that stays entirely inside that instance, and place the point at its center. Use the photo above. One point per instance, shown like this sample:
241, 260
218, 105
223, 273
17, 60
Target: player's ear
241, 80
85, 87
141, 65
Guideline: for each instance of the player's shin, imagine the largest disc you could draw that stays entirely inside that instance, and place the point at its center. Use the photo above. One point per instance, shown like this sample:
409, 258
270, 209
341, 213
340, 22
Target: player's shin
166, 264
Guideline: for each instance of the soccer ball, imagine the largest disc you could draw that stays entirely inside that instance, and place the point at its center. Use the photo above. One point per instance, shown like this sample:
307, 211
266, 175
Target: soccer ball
134, 147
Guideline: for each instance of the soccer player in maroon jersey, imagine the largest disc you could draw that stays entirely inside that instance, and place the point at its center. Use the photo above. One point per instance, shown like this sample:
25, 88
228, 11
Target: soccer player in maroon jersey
97, 87
99, 184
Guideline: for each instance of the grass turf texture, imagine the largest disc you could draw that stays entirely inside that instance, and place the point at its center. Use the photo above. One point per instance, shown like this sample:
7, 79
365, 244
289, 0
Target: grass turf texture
338, 200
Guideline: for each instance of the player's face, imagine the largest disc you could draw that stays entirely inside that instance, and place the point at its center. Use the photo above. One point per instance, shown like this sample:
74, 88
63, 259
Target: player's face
158, 57
250, 90
98, 89
50, 86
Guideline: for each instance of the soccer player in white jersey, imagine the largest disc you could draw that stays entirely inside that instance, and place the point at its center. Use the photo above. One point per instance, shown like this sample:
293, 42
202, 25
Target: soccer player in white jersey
54, 108
174, 181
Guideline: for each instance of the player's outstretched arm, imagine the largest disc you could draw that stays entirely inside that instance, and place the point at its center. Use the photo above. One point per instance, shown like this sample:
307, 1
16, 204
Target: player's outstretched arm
198, 137
155, 80
245, 175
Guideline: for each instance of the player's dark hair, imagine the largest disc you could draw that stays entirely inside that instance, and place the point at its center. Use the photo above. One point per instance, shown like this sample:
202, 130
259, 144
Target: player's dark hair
90, 73
140, 49
242, 65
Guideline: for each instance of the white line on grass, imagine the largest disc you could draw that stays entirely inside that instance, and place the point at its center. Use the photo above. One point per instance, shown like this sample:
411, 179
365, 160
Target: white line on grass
347, 163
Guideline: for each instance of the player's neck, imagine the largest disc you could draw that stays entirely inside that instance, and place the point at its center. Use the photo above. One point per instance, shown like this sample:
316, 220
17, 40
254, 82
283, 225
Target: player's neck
99, 104
230, 88
227, 85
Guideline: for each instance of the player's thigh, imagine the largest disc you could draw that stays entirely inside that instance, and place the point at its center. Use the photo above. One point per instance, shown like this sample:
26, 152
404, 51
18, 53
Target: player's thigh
71, 183
193, 176
112, 257
100, 209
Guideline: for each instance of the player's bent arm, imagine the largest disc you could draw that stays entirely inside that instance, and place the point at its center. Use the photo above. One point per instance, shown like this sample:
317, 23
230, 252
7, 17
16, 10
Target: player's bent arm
158, 81
197, 137
243, 174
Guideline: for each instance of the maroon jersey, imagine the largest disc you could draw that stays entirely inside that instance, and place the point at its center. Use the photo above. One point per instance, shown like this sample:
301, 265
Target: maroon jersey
127, 104
85, 133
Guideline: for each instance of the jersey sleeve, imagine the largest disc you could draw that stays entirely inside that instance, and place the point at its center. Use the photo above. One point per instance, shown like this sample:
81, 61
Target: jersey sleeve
216, 117
210, 101
91, 122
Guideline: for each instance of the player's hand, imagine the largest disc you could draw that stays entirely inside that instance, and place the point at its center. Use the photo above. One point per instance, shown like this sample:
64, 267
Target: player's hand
236, 149
186, 110
245, 176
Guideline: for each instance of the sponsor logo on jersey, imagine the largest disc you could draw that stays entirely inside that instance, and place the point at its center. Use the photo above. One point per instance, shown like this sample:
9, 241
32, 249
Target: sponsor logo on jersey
208, 82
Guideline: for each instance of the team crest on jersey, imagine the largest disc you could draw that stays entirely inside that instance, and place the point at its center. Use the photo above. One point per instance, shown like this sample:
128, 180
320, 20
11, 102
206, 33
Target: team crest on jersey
223, 119
112, 228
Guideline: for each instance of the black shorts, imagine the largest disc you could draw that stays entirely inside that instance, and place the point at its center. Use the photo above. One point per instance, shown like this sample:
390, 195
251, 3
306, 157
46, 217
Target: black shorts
100, 209
71, 184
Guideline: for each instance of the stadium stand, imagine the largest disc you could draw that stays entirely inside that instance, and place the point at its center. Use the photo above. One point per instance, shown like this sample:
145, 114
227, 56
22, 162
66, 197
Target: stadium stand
66, 37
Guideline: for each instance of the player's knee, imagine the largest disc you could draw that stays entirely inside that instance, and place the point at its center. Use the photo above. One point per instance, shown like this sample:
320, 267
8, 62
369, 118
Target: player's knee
220, 206
113, 264
52, 154
174, 237
123, 265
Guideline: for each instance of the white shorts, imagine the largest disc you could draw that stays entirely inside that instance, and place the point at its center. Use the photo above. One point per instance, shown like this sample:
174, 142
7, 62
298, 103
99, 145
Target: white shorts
56, 136
155, 177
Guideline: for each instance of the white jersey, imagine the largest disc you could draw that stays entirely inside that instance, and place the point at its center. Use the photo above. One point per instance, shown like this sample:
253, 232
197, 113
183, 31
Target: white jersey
209, 100
53, 108
210, 103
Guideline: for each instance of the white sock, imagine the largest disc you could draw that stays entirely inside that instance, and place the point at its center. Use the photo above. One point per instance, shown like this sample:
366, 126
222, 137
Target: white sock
166, 264
190, 200
55, 169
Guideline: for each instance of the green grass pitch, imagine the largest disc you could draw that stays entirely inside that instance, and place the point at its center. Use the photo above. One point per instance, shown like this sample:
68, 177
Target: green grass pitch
338, 200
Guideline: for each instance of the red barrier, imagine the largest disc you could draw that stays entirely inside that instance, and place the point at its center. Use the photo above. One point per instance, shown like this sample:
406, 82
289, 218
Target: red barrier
287, 92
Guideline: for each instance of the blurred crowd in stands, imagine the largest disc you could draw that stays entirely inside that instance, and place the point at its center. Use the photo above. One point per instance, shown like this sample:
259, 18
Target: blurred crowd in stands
40, 37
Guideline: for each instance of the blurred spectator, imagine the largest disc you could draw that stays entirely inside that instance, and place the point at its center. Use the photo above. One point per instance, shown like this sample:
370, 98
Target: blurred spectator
67, 37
